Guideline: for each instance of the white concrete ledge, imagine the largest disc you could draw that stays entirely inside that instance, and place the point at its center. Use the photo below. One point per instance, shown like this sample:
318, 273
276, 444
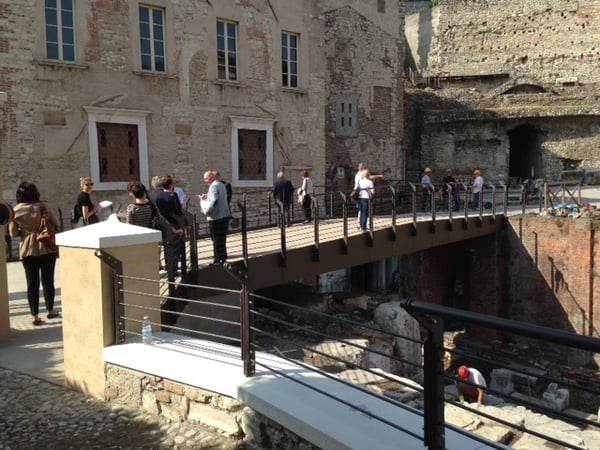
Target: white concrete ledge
319, 419
107, 234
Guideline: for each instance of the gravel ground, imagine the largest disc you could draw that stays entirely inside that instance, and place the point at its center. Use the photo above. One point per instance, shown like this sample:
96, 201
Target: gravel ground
36, 414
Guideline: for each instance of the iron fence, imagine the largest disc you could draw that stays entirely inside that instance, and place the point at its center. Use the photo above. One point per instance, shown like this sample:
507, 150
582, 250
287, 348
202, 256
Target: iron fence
347, 345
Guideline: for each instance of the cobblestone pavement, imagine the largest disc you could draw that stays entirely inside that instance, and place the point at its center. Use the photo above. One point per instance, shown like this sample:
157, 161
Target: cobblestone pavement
36, 414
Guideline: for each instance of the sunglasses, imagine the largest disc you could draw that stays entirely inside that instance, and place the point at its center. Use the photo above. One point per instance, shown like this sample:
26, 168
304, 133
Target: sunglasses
89, 184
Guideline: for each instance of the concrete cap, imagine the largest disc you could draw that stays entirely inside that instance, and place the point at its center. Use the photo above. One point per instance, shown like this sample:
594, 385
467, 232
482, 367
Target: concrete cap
109, 233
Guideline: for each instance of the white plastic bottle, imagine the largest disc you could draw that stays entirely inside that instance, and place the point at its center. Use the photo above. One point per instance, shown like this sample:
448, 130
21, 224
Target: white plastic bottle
146, 330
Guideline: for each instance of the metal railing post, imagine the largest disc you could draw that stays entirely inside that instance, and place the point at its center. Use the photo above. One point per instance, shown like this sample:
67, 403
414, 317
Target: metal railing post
345, 220
243, 207
315, 214
433, 354
414, 205
505, 196
193, 241
247, 347
282, 224
117, 266
394, 205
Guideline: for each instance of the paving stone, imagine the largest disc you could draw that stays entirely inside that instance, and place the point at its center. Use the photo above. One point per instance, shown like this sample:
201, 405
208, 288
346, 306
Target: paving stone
41, 415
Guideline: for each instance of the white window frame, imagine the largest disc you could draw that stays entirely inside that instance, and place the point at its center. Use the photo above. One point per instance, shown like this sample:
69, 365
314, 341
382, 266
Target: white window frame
287, 84
153, 40
237, 51
120, 116
59, 31
251, 123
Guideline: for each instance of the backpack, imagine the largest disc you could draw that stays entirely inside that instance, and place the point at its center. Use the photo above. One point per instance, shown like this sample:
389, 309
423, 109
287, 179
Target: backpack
75, 214
228, 189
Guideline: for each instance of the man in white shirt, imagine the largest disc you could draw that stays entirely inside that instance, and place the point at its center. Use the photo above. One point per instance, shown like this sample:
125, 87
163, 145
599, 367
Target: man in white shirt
474, 388
362, 167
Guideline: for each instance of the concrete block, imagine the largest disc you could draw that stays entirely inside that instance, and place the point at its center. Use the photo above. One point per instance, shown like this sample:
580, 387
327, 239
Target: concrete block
221, 420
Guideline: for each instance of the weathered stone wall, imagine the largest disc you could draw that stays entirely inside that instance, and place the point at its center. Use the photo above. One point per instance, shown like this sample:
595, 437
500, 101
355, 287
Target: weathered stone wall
541, 40
43, 133
495, 66
365, 51
179, 402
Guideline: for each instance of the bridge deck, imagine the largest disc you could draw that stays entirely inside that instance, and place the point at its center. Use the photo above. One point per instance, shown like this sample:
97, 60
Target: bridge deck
311, 250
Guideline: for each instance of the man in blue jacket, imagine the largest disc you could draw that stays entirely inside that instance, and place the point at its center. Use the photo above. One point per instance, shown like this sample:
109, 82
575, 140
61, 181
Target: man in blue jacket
214, 205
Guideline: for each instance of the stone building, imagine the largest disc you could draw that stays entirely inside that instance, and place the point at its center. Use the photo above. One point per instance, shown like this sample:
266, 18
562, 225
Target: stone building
509, 86
365, 108
123, 90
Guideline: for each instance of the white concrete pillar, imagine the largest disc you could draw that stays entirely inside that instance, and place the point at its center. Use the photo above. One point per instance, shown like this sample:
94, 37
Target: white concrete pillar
87, 293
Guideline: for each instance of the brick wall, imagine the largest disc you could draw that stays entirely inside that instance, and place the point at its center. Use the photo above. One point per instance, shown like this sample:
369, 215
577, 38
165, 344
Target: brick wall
364, 53
542, 271
467, 275
552, 273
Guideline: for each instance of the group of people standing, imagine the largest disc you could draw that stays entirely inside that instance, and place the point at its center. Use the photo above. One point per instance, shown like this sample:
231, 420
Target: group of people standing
449, 189
283, 193
145, 209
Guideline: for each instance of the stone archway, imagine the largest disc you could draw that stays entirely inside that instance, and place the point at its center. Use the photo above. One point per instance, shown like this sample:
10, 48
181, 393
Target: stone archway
525, 159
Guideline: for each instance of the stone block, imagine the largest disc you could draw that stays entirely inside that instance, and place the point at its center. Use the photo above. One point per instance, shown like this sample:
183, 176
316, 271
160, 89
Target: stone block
197, 395
163, 396
501, 380
361, 302
175, 388
555, 398
221, 420
592, 176
123, 385
226, 403
341, 354
392, 318
172, 413
149, 403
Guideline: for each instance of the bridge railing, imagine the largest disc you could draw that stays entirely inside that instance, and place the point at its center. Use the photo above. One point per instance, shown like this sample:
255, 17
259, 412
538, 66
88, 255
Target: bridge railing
393, 200
412, 370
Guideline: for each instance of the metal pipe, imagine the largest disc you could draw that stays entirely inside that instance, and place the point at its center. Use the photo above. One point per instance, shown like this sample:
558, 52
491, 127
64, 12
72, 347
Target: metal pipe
525, 329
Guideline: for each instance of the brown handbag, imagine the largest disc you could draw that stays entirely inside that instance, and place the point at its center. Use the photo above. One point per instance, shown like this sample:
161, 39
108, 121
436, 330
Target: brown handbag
45, 234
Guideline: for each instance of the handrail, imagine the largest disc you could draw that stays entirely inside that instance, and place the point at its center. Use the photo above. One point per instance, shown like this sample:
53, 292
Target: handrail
432, 316
429, 315
392, 200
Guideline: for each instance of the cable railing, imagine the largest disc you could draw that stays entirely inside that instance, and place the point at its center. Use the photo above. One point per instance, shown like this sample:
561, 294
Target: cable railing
413, 370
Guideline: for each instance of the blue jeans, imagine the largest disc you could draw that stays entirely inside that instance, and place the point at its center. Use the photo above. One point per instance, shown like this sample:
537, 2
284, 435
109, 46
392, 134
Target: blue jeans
364, 212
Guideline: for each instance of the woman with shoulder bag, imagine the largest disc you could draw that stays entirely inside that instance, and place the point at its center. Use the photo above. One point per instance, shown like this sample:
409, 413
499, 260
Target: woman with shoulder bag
35, 255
